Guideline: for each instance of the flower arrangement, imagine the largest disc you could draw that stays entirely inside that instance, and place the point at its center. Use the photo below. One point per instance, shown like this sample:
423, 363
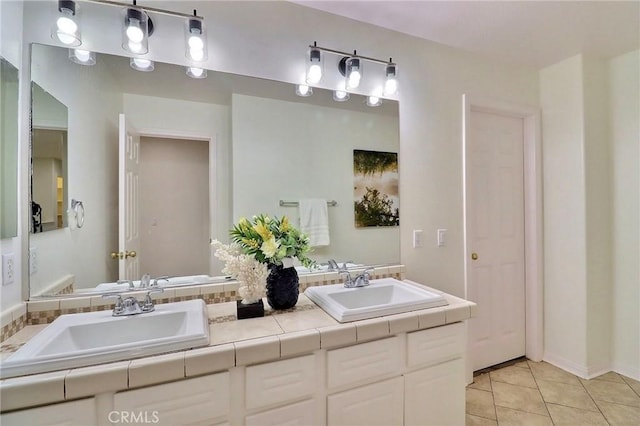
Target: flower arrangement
270, 240
251, 274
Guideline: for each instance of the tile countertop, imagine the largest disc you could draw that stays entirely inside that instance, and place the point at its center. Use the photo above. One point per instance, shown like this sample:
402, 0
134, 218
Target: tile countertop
279, 334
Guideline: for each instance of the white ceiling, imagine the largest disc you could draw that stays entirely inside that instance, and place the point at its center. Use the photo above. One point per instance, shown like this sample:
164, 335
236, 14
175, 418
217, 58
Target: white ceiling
531, 33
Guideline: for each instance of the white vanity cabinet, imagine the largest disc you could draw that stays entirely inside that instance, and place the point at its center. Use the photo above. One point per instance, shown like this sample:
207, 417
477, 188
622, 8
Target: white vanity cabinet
80, 413
203, 400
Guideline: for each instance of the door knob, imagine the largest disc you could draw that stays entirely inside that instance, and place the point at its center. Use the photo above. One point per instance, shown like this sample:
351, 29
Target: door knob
130, 254
117, 255
474, 256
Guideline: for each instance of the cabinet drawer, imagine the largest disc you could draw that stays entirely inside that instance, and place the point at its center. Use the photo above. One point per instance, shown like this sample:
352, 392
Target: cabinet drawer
280, 381
379, 404
361, 363
192, 401
302, 413
435, 345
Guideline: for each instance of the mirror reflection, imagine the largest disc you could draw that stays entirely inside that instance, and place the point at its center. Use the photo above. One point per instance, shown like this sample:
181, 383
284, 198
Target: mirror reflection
48, 161
206, 152
8, 149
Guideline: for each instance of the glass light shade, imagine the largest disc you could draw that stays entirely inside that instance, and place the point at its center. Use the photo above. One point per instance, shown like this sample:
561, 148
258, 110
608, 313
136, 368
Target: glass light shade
353, 72
66, 29
373, 101
141, 64
195, 40
304, 90
195, 72
314, 66
82, 57
135, 31
391, 80
340, 94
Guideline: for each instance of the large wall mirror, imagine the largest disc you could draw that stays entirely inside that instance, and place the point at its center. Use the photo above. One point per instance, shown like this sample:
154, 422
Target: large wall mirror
8, 149
209, 151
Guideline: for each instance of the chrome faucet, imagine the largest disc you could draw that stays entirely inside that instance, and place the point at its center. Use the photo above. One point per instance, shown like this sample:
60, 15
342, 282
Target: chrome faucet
360, 280
333, 265
126, 306
131, 285
162, 278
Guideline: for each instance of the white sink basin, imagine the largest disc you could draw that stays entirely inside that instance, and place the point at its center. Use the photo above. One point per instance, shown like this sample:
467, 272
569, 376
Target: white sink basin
77, 340
385, 296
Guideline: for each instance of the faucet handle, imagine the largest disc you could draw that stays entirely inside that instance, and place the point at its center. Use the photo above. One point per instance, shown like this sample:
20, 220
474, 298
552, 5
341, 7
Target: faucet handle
119, 305
147, 305
162, 278
131, 286
366, 275
347, 277
145, 281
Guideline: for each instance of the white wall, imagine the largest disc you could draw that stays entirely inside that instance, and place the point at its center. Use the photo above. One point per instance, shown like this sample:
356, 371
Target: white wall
565, 293
317, 146
92, 137
174, 207
11, 14
624, 113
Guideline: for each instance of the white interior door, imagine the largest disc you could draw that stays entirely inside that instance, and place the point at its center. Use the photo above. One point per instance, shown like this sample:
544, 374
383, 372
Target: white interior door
495, 237
128, 201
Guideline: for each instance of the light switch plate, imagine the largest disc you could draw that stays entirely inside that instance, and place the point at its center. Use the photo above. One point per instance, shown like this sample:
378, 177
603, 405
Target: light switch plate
417, 238
8, 269
33, 260
442, 237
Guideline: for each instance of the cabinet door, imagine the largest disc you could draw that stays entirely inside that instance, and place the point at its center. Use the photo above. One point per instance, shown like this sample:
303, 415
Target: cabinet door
436, 395
81, 413
377, 404
187, 402
300, 414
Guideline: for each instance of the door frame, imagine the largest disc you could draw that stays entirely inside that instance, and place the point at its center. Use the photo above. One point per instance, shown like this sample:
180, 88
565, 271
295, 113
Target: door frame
533, 214
213, 182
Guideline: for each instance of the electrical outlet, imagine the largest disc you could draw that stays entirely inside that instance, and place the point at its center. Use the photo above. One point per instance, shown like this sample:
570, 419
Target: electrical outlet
8, 269
33, 260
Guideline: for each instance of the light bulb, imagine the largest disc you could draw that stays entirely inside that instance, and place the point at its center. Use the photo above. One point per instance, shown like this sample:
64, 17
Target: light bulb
134, 32
197, 72
373, 101
82, 55
340, 95
141, 64
66, 38
390, 86
66, 25
354, 79
315, 73
195, 42
135, 47
196, 54
303, 90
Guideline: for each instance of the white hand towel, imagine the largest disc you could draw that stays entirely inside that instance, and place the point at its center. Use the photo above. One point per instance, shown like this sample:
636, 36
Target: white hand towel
314, 221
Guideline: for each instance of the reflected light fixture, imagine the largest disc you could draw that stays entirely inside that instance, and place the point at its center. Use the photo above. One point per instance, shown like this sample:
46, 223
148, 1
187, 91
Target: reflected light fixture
391, 79
136, 30
340, 94
373, 101
196, 43
82, 57
67, 28
141, 64
314, 65
303, 90
195, 72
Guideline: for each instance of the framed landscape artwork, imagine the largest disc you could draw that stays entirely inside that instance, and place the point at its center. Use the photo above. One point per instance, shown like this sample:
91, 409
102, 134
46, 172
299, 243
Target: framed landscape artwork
375, 188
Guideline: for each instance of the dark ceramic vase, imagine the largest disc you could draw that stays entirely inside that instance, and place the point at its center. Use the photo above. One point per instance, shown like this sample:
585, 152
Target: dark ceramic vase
282, 287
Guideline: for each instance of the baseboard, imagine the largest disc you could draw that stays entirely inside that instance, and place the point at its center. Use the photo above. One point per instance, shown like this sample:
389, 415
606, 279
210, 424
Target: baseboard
586, 372
627, 370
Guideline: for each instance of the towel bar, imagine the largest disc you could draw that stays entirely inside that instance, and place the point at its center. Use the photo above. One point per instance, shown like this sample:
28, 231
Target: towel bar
283, 203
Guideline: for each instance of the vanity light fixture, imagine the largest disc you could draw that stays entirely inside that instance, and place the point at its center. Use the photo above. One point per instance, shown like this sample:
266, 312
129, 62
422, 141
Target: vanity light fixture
195, 72
391, 79
67, 28
82, 57
353, 72
136, 30
141, 64
196, 41
314, 65
304, 90
374, 101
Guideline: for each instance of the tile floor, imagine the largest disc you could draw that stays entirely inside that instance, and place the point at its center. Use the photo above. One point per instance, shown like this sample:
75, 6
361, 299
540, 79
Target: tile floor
537, 393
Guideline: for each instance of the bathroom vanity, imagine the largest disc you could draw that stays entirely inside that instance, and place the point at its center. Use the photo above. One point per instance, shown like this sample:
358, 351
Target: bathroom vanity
297, 367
